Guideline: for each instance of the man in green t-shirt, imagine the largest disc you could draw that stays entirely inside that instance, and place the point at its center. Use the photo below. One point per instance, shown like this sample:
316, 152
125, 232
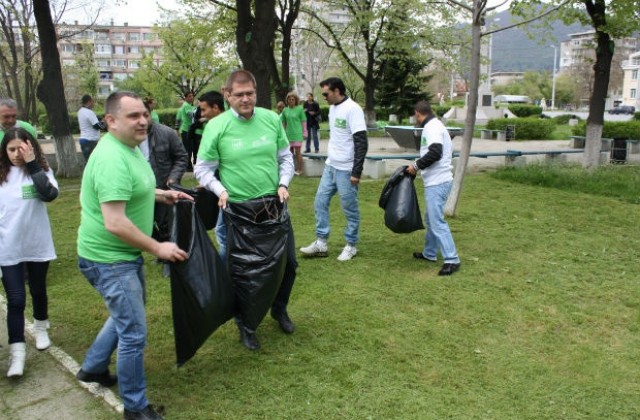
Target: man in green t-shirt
184, 118
249, 148
9, 118
117, 199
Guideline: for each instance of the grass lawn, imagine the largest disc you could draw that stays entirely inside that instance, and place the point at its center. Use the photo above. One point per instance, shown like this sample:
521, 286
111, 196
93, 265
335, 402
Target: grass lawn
542, 321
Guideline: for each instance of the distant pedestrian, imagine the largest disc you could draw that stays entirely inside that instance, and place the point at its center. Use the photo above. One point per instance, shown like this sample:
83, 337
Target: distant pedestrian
9, 118
184, 118
26, 247
436, 151
347, 148
295, 123
90, 127
312, 109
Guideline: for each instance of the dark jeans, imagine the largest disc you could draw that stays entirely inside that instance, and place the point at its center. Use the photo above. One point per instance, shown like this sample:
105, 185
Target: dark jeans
312, 132
87, 146
188, 146
13, 280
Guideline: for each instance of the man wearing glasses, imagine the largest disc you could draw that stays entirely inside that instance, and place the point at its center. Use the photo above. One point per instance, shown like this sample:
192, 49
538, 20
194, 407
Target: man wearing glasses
348, 146
249, 148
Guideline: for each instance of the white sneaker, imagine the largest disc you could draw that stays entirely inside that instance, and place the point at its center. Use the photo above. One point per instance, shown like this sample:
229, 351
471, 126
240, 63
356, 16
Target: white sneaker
318, 248
348, 252
40, 333
17, 354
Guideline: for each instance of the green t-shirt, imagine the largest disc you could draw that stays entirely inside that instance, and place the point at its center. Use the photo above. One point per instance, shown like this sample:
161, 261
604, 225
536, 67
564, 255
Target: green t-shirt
115, 172
293, 118
185, 115
247, 152
155, 117
22, 124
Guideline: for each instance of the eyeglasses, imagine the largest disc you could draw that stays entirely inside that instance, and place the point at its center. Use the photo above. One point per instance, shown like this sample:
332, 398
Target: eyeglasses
325, 94
242, 94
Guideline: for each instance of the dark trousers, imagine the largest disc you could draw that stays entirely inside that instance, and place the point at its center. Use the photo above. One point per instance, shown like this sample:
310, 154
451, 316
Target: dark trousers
13, 280
87, 147
188, 146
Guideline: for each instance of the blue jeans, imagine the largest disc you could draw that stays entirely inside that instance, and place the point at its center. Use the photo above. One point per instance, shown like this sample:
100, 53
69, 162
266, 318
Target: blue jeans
312, 132
122, 286
14, 287
438, 235
87, 146
332, 181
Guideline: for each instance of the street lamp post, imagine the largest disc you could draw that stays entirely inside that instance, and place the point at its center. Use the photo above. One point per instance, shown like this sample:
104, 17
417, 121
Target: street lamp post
553, 79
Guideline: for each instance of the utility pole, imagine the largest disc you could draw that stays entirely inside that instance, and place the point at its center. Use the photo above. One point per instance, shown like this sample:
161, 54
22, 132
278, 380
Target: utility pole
553, 79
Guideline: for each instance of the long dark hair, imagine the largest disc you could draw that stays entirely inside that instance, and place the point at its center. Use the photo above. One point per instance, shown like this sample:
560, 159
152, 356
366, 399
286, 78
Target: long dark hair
24, 135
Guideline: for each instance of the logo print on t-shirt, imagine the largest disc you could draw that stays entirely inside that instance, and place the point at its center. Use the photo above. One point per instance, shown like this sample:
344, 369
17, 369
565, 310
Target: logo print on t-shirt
340, 123
28, 192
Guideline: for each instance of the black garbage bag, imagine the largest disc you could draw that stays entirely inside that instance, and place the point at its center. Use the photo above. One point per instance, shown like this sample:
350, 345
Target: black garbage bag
400, 203
206, 204
257, 233
202, 295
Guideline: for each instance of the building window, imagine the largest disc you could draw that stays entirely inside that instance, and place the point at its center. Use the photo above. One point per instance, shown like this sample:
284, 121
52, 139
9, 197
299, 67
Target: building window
117, 63
133, 64
134, 50
149, 36
634, 75
69, 48
118, 35
134, 36
120, 76
634, 93
118, 49
103, 49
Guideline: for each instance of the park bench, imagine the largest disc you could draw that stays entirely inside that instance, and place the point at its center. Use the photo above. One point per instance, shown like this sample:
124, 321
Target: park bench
578, 142
500, 135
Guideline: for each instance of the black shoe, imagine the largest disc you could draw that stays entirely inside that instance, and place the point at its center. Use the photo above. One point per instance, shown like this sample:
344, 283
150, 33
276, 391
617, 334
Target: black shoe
419, 256
104, 378
249, 339
307, 151
284, 321
448, 269
149, 413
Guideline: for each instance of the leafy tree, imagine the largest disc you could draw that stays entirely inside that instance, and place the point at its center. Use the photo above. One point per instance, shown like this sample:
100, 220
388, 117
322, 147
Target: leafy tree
402, 85
610, 19
51, 92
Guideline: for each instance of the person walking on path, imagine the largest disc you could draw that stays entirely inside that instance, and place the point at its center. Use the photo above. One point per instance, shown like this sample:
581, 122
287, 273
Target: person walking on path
26, 247
436, 152
90, 127
295, 123
249, 148
348, 146
312, 109
117, 199
184, 118
9, 118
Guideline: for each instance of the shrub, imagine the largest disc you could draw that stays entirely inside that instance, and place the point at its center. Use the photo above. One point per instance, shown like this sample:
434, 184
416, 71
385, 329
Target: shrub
636, 116
526, 128
440, 110
168, 116
611, 129
564, 118
520, 110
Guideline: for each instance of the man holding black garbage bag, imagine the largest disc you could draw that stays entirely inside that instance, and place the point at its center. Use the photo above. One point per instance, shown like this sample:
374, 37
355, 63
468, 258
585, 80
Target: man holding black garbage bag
249, 148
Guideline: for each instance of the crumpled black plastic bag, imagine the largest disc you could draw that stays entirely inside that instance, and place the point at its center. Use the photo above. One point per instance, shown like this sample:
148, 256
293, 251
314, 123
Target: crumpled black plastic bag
400, 203
257, 254
202, 295
206, 204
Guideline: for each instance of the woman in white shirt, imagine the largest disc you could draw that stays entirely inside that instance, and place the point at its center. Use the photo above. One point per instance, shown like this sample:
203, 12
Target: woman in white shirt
26, 244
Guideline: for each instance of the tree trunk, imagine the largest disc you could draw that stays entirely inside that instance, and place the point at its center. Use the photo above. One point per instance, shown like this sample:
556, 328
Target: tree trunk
470, 120
254, 39
369, 100
595, 120
51, 92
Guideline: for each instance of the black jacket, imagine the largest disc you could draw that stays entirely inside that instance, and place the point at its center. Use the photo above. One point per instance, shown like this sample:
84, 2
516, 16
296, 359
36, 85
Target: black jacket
167, 155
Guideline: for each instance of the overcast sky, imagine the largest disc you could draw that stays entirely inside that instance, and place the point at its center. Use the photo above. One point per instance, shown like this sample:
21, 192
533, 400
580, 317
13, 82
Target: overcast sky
134, 12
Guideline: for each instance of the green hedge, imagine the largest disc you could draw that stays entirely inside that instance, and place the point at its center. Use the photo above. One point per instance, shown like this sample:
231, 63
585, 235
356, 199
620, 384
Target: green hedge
619, 129
522, 111
526, 128
440, 110
636, 116
564, 119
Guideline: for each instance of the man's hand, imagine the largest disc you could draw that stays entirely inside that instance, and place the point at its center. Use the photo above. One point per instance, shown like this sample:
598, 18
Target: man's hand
171, 196
411, 170
169, 251
222, 200
355, 180
283, 193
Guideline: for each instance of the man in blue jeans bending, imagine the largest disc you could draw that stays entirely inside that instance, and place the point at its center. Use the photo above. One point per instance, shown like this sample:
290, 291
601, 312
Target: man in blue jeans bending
347, 148
117, 199
436, 152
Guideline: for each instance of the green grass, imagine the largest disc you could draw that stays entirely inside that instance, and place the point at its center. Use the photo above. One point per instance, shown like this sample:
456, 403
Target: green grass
561, 132
542, 321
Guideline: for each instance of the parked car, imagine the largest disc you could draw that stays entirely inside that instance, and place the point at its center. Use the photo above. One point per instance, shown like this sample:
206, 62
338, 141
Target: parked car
623, 109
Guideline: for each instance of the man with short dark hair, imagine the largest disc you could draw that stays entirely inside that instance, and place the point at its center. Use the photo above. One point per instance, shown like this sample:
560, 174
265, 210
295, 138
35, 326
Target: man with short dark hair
436, 151
347, 148
90, 127
210, 105
312, 109
117, 199
184, 118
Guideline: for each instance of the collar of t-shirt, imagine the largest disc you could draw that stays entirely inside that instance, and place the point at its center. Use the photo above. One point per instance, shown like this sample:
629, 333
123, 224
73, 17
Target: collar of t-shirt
426, 120
343, 100
240, 117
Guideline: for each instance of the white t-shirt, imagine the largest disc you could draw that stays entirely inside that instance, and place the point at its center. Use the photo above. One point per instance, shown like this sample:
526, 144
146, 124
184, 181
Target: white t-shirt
345, 119
441, 171
86, 119
25, 232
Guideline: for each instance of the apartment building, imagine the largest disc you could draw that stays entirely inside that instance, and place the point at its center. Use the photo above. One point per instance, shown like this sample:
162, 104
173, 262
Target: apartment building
581, 46
631, 81
117, 50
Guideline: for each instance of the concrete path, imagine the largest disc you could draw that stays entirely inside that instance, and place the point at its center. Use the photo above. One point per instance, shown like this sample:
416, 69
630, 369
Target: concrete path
48, 389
